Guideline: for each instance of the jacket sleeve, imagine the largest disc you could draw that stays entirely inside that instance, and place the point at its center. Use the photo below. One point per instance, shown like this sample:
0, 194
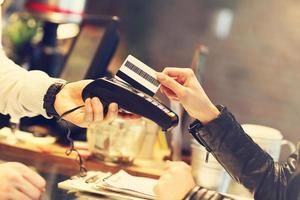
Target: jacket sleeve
244, 160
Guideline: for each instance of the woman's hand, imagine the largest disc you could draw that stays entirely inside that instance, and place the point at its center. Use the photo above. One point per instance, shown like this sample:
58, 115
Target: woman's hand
175, 183
20, 182
70, 97
181, 84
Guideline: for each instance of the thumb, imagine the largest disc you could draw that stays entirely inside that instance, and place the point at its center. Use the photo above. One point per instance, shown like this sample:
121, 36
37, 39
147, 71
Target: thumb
170, 83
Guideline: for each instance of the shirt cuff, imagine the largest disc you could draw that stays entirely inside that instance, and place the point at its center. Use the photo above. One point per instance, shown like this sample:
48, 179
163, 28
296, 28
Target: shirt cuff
38, 85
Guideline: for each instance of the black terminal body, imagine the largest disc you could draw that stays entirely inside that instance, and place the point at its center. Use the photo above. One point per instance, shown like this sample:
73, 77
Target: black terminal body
110, 90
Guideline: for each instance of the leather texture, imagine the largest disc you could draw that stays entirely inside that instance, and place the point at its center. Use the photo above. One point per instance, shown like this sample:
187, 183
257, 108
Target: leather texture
244, 160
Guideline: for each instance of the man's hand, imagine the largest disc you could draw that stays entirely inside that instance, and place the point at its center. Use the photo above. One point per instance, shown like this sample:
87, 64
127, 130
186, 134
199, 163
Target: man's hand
181, 84
175, 183
20, 182
70, 97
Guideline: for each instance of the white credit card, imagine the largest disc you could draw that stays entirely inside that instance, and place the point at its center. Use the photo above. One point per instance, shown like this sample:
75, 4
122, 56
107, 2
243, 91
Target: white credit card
138, 75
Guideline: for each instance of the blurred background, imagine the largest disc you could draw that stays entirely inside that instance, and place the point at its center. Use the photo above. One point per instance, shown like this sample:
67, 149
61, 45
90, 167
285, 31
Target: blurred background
253, 64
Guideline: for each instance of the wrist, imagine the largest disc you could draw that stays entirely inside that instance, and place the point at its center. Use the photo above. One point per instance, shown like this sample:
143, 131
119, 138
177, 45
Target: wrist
62, 94
208, 114
50, 98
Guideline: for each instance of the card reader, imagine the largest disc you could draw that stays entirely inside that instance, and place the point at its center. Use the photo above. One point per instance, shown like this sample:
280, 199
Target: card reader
110, 90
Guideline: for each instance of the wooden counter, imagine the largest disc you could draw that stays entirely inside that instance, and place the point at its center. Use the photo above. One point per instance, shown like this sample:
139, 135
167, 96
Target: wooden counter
52, 159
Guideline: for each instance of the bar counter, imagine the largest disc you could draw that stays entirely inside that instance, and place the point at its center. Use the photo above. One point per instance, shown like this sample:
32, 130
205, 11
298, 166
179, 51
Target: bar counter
52, 159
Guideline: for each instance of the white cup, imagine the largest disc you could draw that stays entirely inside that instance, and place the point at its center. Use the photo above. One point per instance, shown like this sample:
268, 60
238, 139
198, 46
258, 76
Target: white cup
208, 174
269, 139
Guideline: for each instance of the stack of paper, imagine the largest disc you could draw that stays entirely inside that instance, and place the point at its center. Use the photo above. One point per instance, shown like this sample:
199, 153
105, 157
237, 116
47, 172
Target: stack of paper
117, 186
125, 183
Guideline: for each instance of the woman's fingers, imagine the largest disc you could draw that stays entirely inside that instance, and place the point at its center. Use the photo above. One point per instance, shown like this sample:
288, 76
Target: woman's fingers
177, 72
171, 84
169, 93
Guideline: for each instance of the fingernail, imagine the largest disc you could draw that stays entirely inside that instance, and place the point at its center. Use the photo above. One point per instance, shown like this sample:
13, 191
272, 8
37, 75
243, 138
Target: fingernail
94, 98
115, 107
88, 99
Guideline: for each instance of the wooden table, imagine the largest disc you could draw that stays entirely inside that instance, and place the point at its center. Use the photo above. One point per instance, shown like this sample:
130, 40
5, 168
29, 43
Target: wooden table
52, 159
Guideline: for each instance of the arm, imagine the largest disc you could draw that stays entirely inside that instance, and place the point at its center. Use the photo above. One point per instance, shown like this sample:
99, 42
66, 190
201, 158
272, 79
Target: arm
22, 94
222, 134
244, 160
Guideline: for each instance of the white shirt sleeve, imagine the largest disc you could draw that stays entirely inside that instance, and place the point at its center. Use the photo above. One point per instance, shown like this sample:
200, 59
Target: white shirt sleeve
21, 92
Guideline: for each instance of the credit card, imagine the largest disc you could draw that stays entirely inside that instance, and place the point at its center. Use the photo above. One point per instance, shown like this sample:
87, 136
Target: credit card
139, 75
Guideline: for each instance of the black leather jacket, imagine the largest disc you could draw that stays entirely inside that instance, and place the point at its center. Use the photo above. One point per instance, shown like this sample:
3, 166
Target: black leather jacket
244, 160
